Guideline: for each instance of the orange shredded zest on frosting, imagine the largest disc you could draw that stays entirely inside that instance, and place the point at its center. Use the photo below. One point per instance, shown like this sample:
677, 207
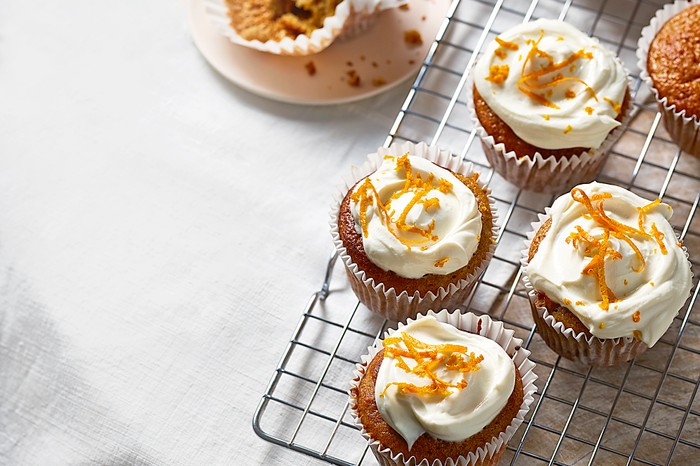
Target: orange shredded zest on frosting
428, 358
637, 334
580, 303
615, 105
568, 129
601, 325
567, 301
546, 117
498, 73
527, 83
366, 195
507, 45
441, 262
589, 110
599, 249
569, 94
635, 316
500, 53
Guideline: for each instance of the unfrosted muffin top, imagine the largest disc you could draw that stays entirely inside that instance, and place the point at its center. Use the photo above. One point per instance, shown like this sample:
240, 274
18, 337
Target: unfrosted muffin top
673, 61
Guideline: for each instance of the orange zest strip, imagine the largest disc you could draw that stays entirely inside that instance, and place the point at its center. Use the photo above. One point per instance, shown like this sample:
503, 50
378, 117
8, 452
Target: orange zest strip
428, 358
659, 237
634, 247
507, 45
561, 80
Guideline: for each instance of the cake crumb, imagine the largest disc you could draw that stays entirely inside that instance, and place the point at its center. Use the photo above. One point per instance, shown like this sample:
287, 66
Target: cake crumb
374, 64
423, 18
376, 82
310, 68
411, 62
362, 58
353, 78
412, 37
404, 7
349, 63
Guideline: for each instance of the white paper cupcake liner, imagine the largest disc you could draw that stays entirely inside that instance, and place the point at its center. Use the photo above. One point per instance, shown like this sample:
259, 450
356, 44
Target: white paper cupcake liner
351, 17
536, 172
490, 453
387, 302
579, 347
683, 129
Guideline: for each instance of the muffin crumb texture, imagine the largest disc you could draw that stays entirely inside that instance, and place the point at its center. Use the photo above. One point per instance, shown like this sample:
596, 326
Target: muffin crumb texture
265, 20
674, 61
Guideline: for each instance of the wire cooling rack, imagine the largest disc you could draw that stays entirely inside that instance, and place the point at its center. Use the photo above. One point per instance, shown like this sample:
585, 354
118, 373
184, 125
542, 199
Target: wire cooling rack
644, 412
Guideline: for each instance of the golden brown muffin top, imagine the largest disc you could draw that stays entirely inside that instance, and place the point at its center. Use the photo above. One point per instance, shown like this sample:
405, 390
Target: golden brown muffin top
674, 61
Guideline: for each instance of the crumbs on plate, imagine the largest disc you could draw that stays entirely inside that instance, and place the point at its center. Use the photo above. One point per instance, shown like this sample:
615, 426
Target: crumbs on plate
310, 68
412, 37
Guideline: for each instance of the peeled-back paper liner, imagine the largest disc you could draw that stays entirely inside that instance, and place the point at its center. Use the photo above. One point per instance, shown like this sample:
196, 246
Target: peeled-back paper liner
589, 350
684, 130
544, 174
375, 296
483, 325
351, 17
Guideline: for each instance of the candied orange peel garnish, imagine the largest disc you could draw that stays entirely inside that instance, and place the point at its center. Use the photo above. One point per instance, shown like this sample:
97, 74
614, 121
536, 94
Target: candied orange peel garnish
529, 83
428, 358
367, 196
598, 247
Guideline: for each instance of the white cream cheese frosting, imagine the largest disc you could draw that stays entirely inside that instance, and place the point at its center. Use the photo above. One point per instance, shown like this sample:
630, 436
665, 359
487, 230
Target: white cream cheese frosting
647, 288
553, 85
416, 218
461, 412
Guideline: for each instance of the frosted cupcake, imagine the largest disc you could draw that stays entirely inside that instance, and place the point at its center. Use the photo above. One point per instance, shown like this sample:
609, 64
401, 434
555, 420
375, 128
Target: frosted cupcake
443, 389
548, 102
668, 60
415, 229
299, 27
605, 274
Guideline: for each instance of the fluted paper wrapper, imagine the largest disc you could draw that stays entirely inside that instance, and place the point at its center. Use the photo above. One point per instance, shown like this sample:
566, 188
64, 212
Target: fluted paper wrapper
579, 347
490, 453
683, 129
379, 299
536, 172
351, 17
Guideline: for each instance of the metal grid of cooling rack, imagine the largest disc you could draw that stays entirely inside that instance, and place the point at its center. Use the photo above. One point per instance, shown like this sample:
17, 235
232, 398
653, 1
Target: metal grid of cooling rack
644, 412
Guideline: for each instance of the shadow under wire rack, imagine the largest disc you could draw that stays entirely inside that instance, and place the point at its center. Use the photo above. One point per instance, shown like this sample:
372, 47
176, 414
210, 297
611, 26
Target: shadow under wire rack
646, 412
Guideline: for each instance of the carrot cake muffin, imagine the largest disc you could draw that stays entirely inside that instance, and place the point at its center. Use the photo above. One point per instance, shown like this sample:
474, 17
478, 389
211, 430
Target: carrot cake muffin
414, 235
436, 392
265, 20
606, 274
546, 101
294, 27
672, 69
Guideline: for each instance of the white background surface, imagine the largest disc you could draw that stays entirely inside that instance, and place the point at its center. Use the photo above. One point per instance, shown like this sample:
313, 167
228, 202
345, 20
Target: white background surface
160, 233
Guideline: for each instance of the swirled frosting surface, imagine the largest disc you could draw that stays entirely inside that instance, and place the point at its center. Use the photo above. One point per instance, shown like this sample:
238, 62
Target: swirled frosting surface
460, 411
646, 277
553, 85
416, 218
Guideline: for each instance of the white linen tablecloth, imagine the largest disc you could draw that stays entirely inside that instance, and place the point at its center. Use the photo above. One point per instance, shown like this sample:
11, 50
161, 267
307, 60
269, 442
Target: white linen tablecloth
160, 233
